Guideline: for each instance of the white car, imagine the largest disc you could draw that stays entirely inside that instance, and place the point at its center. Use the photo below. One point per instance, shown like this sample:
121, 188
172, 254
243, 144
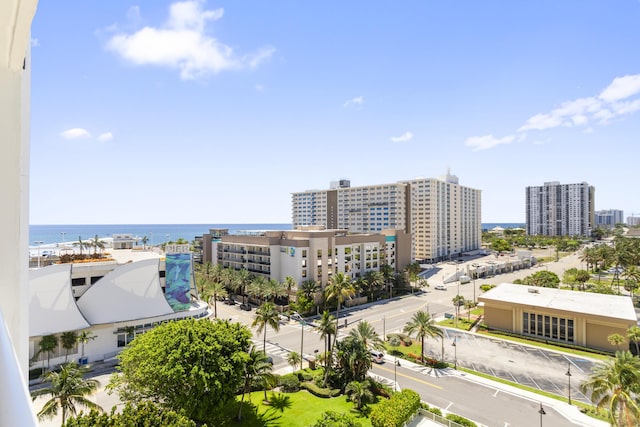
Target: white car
440, 287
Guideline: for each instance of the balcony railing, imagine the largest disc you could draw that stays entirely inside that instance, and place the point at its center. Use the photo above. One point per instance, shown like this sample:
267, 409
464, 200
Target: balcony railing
15, 402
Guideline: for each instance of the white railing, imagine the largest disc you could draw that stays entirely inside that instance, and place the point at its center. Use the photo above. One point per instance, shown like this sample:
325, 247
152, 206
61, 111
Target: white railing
15, 401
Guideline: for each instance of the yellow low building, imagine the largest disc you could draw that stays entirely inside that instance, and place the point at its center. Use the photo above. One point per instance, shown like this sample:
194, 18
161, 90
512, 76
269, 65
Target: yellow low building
580, 318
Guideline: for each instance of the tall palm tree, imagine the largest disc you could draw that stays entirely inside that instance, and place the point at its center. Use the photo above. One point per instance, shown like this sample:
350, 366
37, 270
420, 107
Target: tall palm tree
68, 340
294, 359
83, 338
422, 325
274, 289
96, 244
144, 241
387, 274
632, 276
48, 344
613, 385
258, 288
633, 335
243, 280
339, 288
81, 244
367, 334
257, 370
327, 327
266, 315
310, 288
374, 280
67, 389
212, 292
289, 284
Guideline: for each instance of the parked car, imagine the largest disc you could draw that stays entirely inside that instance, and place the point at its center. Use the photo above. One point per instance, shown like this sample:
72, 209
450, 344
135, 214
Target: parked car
245, 307
440, 287
229, 301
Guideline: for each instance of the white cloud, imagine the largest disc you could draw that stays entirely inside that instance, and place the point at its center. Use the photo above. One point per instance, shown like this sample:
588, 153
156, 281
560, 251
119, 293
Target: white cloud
407, 136
183, 43
621, 88
357, 101
609, 104
75, 133
104, 137
485, 142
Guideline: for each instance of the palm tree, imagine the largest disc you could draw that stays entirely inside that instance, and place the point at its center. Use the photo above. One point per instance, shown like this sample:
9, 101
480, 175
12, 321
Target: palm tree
266, 315
339, 288
632, 276
387, 274
212, 292
422, 325
615, 339
633, 335
83, 338
258, 288
81, 244
359, 393
69, 340
274, 289
614, 385
374, 280
289, 284
327, 327
243, 279
48, 344
67, 389
257, 370
96, 244
294, 359
309, 288
457, 301
367, 334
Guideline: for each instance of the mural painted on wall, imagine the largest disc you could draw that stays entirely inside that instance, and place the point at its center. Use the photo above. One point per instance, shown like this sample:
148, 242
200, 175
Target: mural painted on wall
178, 280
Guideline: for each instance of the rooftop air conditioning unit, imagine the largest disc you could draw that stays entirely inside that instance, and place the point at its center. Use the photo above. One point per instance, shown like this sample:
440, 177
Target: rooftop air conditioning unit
534, 291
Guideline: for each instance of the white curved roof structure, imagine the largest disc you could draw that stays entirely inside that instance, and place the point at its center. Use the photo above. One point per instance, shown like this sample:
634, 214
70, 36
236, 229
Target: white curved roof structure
130, 292
52, 307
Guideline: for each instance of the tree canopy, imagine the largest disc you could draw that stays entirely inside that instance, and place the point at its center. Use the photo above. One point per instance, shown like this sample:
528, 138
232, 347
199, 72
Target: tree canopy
189, 365
146, 414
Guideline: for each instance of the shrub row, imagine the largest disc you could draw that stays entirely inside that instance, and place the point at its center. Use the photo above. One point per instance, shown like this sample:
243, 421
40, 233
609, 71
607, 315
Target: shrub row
404, 338
319, 391
289, 383
396, 411
461, 420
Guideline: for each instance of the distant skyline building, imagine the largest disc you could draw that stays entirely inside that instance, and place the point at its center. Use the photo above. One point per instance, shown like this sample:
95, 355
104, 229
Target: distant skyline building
555, 209
633, 221
442, 217
608, 218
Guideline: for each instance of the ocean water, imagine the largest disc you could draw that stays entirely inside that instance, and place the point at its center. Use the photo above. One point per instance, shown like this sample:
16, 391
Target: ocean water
156, 233
160, 233
490, 225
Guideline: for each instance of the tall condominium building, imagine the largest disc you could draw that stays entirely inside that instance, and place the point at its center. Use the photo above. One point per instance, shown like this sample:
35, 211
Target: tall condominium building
633, 221
556, 209
609, 218
442, 217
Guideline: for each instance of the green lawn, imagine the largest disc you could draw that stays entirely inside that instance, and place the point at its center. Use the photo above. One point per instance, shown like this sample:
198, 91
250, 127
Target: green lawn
294, 409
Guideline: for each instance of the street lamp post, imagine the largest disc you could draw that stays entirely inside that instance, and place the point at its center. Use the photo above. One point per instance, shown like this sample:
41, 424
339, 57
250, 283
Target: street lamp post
568, 374
455, 353
63, 233
302, 323
38, 243
541, 412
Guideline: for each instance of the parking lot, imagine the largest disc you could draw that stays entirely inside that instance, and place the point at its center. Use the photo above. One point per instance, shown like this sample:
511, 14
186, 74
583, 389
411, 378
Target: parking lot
527, 365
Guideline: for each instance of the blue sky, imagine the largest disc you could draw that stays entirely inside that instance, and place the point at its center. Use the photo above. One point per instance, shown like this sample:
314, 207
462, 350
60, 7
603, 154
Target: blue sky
215, 112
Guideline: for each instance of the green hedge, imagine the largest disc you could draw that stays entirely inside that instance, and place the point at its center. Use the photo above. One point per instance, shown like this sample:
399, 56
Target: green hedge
404, 338
461, 420
319, 391
396, 411
289, 383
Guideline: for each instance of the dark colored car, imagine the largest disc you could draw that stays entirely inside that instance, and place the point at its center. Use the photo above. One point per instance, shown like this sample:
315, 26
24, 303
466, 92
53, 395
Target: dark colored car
245, 307
230, 302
